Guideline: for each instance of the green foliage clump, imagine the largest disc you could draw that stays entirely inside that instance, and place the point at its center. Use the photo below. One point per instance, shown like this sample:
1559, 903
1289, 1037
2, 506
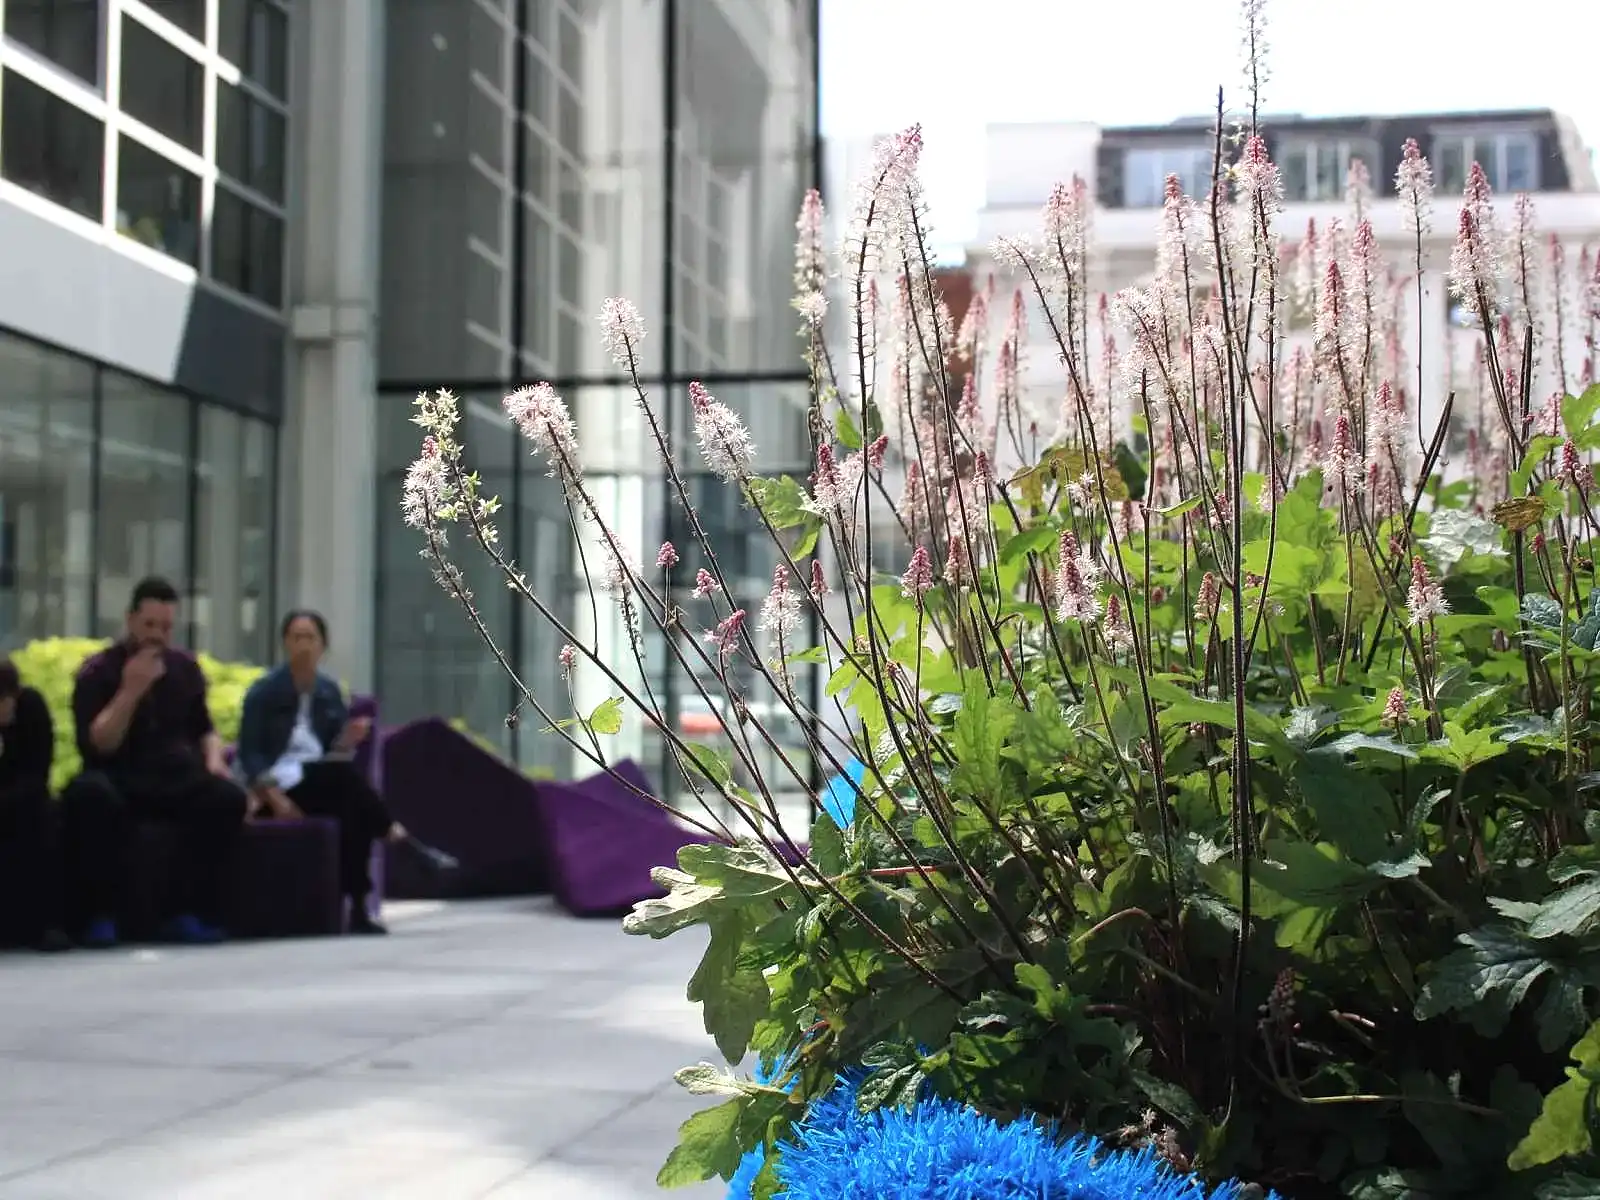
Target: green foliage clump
1228, 759
51, 666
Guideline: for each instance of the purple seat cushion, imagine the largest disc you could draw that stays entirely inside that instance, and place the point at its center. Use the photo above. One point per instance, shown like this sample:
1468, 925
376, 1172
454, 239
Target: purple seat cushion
454, 794
604, 840
284, 881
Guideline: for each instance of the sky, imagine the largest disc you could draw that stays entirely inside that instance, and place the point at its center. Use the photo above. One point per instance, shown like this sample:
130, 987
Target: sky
958, 65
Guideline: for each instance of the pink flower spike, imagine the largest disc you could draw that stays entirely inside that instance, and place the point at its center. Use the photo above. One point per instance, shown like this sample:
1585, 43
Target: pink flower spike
819, 581
623, 329
568, 658
667, 556
1394, 710
918, 579
704, 584
780, 611
726, 635
1425, 600
877, 451
725, 443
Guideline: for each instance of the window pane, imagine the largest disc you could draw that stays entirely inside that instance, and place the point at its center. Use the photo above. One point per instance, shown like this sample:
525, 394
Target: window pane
1520, 165
234, 498
247, 248
250, 141
158, 202
161, 85
66, 32
46, 476
1450, 158
254, 35
52, 148
1143, 179
144, 492
538, 285
187, 15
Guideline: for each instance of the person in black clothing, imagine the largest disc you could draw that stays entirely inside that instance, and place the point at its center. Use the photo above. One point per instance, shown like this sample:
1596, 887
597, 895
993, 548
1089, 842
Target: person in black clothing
150, 753
28, 828
297, 741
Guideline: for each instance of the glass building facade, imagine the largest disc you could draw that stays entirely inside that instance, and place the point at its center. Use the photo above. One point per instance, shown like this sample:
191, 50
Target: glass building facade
142, 176
550, 154
241, 235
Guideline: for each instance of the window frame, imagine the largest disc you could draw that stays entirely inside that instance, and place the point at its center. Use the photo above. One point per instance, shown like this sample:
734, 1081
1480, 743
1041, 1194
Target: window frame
1163, 154
1303, 146
1473, 140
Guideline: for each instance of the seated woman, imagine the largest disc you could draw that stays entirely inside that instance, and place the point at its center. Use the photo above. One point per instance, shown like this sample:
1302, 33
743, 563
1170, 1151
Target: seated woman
297, 744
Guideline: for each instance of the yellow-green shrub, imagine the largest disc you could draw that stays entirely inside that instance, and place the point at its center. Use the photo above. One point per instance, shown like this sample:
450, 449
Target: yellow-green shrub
51, 665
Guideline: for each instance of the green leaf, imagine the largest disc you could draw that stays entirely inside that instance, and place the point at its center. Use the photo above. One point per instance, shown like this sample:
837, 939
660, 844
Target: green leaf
1040, 537
1567, 912
1351, 742
1170, 1099
687, 902
827, 845
844, 426
606, 719
1541, 611
1488, 976
1431, 1108
1569, 1187
1578, 411
1351, 808
1586, 633
1561, 1130
1177, 510
732, 994
708, 1147
708, 1079
744, 871
1539, 449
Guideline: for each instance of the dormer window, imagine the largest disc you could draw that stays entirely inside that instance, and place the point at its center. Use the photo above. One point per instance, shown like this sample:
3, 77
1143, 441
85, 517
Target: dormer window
1145, 171
1315, 169
1509, 158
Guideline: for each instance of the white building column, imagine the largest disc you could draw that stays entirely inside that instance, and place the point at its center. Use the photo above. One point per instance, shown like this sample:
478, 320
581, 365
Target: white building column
1432, 341
327, 456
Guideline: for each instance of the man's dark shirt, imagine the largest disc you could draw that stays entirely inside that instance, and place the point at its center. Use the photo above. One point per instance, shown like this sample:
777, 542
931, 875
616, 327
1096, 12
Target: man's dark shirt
164, 735
27, 745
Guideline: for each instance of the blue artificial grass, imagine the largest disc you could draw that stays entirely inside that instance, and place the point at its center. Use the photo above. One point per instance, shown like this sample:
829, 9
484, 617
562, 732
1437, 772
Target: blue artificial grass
943, 1150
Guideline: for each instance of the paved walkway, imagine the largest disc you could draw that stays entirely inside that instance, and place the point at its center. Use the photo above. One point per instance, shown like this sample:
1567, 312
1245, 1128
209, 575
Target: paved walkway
489, 1050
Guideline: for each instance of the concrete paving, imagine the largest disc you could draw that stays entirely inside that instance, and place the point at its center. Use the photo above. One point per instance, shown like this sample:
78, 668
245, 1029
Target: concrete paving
487, 1050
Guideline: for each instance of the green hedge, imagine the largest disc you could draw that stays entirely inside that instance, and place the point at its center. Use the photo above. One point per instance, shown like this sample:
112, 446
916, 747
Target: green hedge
51, 665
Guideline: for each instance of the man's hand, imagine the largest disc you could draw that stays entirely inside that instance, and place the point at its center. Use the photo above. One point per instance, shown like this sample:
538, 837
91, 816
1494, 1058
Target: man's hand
355, 731
279, 806
142, 669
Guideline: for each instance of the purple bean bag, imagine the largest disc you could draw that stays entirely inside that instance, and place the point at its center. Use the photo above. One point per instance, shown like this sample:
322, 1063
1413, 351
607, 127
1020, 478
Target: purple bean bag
604, 840
454, 794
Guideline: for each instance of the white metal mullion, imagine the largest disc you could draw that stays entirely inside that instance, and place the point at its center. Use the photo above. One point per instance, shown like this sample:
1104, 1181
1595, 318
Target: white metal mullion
208, 139
113, 44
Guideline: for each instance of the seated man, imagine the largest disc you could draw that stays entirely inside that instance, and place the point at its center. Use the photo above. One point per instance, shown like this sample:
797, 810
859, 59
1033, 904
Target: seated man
150, 753
27, 816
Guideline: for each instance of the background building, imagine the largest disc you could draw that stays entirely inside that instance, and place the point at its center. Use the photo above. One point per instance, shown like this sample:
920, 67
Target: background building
240, 235
1532, 151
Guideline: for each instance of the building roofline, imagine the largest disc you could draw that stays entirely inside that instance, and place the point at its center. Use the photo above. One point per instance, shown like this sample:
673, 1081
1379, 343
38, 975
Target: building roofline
1296, 121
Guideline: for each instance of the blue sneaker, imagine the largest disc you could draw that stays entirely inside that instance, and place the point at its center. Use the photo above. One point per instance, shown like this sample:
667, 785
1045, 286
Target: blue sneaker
99, 934
189, 930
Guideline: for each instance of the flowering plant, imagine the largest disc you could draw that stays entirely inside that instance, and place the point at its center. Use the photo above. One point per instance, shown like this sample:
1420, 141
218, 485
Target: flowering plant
1224, 744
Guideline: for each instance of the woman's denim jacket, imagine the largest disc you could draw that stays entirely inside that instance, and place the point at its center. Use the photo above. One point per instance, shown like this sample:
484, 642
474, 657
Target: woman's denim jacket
270, 708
